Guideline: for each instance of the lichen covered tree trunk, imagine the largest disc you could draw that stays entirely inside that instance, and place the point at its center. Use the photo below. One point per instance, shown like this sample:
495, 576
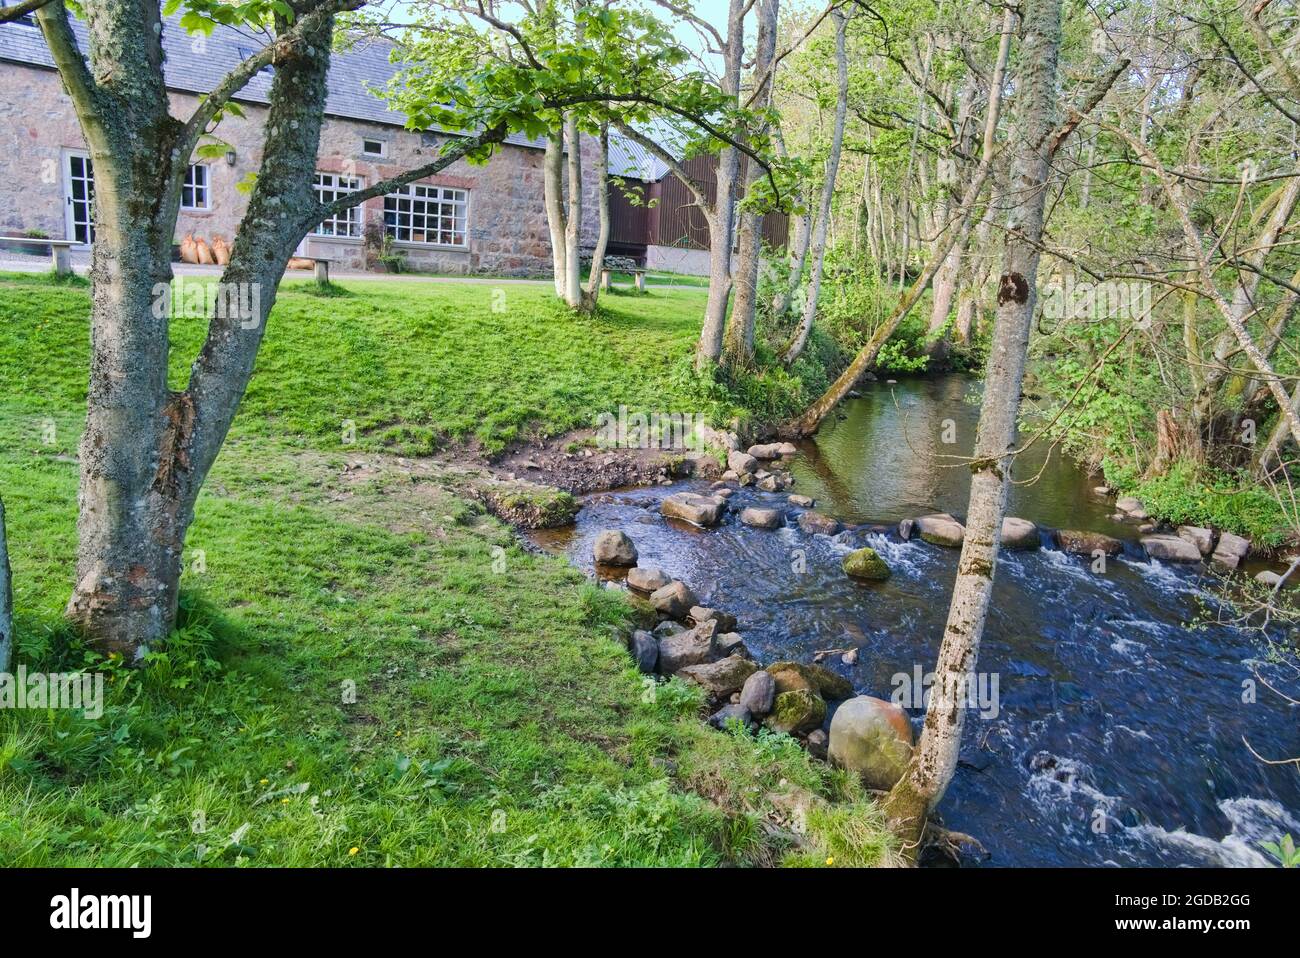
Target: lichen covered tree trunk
935, 757
553, 196
602, 207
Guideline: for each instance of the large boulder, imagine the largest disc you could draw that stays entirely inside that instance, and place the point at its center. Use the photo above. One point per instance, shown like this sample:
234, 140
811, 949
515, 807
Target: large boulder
674, 599
645, 651
761, 517
1080, 543
940, 529
694, 508
692, 647
872, 738
613, 547
1171, 549
719, 679
790, 676
865, 563
1019, 534
1231, 550
795, 712
1198, 536
647, 579
814, 523
741, 463
758, 693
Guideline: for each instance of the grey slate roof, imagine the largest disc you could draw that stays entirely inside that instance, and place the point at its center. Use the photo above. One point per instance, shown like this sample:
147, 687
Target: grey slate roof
355, 74
196, 65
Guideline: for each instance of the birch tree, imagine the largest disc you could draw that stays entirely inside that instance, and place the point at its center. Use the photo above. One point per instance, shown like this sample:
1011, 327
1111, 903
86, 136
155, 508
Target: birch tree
934, 760
822, 222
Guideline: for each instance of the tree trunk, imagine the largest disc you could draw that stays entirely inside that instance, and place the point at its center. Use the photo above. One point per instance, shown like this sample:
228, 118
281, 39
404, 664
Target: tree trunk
573, 224
828, 189
553, 190
602, 198
935, 758
722, 218
739, 345
146, 450
6, 599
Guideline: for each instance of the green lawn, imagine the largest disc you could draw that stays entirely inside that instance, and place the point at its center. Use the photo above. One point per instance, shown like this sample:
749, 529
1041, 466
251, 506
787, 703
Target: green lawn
495, 721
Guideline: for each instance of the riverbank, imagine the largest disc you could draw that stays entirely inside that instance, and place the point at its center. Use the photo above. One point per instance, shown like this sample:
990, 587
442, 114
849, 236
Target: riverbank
371, 669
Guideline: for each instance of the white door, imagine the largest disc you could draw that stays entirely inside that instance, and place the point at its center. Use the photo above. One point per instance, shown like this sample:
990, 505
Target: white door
79, 197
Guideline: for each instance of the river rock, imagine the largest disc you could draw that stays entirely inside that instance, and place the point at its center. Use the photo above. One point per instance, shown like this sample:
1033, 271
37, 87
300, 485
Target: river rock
816, 524
647, 578
719, 679
614, 548
817, 741
694, 508
1019, 534
691, 647
726, 621
775, 482
800, 502
769, 450
645, 651
1198, 536
817, 678
761, 517
741, 463
865, 563
1171, 549
872, 738
668, 627
674, 599
1231, 550
726, 492
730, 643
758, 693
729, 713
795, 712
1269, 578
940, 529
1079, 543
1131, 506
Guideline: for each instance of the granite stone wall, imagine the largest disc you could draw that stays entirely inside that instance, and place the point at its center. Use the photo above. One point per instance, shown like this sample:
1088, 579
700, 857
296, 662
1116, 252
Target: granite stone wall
507, 219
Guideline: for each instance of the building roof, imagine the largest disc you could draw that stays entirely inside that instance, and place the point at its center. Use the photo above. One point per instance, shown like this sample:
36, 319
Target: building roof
196, 64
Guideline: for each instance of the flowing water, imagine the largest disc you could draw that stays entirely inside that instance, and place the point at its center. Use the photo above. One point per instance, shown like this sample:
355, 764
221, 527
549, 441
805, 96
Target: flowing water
1118, 733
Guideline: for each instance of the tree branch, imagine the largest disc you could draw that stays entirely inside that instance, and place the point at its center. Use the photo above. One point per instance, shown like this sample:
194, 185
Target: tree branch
20, 10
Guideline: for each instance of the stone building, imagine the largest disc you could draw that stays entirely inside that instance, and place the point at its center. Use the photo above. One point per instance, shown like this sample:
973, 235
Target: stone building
469, 219
487, 218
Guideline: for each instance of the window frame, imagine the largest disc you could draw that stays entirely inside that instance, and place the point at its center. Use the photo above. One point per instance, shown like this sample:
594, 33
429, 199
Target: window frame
383, 147
194, 188
351, 217
445, 194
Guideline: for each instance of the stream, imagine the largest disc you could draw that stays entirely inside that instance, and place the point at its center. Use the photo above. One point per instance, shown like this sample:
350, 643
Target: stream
1118, 734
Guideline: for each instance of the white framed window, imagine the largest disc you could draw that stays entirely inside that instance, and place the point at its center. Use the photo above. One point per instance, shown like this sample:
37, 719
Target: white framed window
373, 147
195, 191
435, 215
329, 187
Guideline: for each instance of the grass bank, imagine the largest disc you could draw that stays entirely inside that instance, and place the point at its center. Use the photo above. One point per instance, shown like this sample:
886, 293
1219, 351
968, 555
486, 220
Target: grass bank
370, 671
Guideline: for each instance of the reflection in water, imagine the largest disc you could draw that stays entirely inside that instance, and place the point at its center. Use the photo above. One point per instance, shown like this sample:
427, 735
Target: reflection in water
1119, 733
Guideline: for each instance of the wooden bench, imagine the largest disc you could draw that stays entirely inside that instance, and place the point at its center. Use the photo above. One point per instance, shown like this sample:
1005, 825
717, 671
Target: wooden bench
638, 276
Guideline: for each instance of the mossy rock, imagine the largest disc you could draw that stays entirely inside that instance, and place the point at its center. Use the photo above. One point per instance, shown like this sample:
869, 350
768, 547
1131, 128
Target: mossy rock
820, 680
866, 564
795, 712
531, 505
